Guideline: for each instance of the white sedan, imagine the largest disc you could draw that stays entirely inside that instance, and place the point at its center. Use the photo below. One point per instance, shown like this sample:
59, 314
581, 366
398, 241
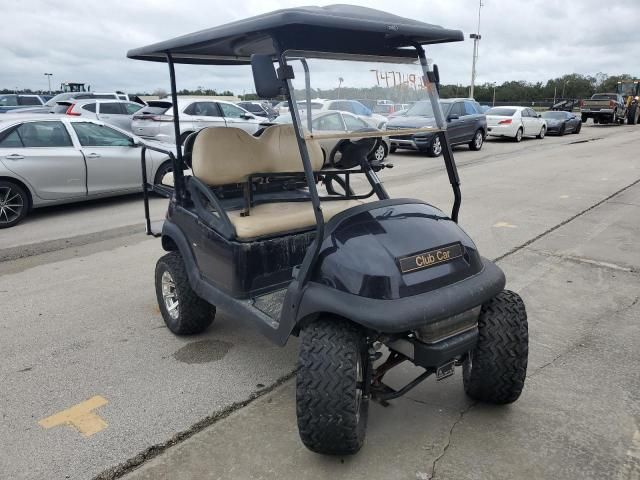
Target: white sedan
515, 122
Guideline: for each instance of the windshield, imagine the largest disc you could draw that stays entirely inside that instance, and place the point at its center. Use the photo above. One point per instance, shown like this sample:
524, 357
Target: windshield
370, 91
501, 112
9, 100
420, 109
554, 115
604, 96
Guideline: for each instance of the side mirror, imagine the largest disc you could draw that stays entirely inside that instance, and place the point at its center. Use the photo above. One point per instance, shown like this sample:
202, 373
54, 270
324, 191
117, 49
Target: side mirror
247, 116
453, 117
134, 142
264, 76
539, 116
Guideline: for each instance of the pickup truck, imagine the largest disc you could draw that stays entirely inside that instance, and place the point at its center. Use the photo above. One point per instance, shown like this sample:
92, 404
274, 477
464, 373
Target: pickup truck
604, 108
13, 102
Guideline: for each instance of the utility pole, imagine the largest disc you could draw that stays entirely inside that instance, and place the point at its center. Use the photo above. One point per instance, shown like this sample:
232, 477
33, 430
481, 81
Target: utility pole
49, 75
476, 38
494, 95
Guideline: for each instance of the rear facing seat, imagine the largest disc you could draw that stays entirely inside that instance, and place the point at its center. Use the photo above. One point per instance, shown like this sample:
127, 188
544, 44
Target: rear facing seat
225, 155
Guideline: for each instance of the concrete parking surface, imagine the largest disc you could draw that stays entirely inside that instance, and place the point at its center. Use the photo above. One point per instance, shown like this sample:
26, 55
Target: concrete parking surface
561, 215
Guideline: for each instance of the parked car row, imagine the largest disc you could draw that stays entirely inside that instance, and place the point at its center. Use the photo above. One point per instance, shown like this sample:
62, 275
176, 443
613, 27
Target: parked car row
51, 159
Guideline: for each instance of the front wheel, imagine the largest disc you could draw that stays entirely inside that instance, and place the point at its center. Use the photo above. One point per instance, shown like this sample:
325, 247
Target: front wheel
14, 204
578, 128
332, 382
379, 154
477, 141
435, 147
542, 133
183, 311
562, 130
495, 370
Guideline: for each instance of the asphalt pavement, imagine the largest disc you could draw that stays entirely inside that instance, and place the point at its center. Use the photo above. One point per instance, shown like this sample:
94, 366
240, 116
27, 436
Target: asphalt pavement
95, 385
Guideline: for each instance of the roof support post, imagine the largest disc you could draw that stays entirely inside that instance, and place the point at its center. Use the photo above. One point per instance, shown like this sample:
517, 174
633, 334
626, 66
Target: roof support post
306, 268
178, 164
447, 153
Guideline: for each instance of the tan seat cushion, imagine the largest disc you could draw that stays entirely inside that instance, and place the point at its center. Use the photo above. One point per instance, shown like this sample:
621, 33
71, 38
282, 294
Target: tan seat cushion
167, 180
273, 218
224, 155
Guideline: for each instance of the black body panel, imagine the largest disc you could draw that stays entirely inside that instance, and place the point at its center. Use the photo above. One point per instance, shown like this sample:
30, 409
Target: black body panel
361, 255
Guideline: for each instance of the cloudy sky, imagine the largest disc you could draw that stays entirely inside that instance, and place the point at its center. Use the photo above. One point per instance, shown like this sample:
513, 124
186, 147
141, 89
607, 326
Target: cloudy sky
87, 40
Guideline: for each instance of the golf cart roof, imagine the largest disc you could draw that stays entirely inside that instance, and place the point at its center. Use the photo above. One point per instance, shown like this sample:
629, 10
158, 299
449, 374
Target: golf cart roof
338, 29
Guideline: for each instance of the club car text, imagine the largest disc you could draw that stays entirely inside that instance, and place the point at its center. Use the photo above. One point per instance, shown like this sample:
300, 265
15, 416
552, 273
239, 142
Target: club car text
430, 258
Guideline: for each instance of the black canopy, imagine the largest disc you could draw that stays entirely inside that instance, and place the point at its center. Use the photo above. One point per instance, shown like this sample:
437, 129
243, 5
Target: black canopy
344, 29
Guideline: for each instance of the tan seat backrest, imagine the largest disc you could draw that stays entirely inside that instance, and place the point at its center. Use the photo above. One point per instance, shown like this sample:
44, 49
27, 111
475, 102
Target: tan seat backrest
224, 155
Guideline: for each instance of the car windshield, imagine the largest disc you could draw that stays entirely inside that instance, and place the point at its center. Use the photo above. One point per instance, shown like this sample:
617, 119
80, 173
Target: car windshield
8, 100
420, 109
554, 115
501, 112
604, 96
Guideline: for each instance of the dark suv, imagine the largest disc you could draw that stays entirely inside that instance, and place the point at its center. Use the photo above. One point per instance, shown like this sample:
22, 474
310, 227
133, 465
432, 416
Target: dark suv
466, 124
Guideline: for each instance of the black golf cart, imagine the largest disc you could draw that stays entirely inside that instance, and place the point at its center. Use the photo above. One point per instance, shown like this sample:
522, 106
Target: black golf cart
267, 228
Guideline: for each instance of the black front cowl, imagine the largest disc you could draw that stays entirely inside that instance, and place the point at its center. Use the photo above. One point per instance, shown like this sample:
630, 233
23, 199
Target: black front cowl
363, 251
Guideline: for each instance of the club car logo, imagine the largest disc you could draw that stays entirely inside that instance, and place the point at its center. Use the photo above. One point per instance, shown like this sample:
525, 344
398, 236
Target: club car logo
431, 258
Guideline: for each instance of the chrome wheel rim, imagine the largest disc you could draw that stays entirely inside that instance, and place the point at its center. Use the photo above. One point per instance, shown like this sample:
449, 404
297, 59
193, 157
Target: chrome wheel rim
543, 132
359, 385
170, 295
519, 135
379, 153
437, 147
11, 204
478, 140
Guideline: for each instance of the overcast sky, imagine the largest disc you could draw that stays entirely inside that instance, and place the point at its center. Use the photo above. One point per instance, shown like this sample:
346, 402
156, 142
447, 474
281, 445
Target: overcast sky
87, 40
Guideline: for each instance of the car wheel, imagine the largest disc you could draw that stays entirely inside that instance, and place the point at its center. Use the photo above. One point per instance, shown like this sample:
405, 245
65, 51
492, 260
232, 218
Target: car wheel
183, 137
435, 147
518, 137
542, 133
163, 169
563, 130
478, 140
393, 149
578, 128
14, 204
379, 154
584, 118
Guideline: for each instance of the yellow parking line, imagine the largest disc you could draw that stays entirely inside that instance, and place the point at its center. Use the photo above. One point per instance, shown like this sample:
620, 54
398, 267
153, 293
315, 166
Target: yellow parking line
80, 416
505, 225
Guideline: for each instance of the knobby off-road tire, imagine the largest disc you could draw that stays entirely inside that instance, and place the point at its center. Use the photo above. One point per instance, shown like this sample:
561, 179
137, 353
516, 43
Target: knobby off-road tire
191, 314
331, 401
495, 369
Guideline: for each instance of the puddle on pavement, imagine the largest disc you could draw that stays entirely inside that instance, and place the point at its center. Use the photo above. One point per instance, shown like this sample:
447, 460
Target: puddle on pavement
203, 351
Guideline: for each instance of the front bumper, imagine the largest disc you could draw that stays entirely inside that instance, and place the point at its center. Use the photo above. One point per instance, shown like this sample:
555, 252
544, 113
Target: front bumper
411, 142
407, 313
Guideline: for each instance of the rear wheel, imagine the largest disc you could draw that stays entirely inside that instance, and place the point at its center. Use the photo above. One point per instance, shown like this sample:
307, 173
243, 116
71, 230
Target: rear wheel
518, 137
333, 376
14, 204
184, 312
435, 147
163, 169
496, 368
542, 133
584, 118
477, 141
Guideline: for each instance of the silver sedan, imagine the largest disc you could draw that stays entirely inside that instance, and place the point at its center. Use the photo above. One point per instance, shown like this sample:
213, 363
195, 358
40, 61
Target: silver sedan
53, 159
